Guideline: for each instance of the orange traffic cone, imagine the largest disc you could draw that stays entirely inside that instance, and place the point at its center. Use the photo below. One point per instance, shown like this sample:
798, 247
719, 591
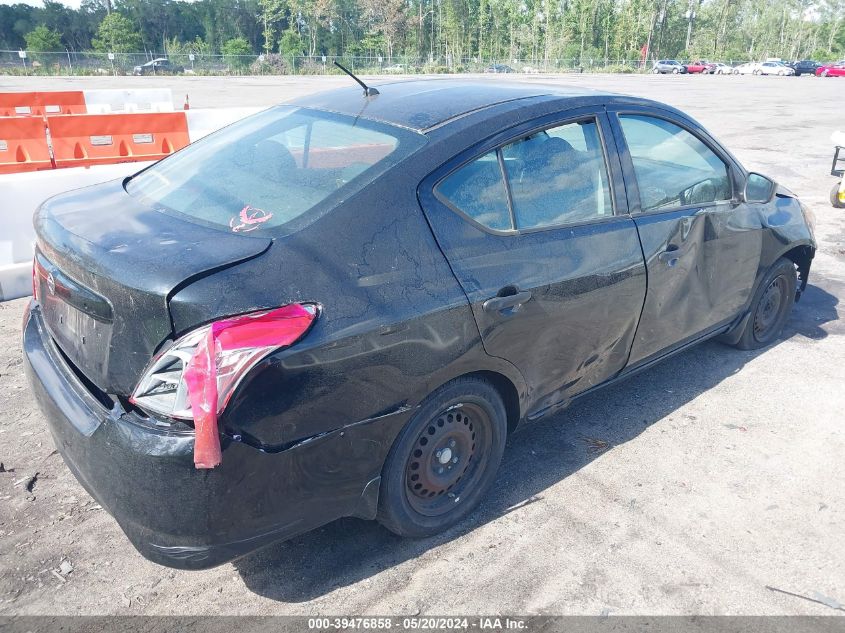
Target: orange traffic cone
187, 105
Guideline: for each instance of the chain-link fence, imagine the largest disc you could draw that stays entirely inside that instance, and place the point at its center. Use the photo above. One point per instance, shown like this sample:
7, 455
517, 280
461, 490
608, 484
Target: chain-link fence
90, 63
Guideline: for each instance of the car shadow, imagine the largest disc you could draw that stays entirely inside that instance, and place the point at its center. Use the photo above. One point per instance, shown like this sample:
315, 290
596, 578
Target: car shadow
349, 550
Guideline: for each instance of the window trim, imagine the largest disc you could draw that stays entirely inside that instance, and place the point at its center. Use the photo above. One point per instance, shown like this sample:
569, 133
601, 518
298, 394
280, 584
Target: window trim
595, 115
616, 116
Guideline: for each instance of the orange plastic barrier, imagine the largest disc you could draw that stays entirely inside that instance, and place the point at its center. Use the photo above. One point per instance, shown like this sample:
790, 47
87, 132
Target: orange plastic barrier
98, 139
23, 145
42, 103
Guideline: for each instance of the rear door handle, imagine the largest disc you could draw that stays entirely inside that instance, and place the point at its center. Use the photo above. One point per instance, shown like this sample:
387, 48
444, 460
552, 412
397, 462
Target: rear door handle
670, 256
509, 302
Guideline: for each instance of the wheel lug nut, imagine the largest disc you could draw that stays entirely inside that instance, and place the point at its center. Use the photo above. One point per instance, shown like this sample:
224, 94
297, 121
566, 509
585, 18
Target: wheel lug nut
454, 460
438, 454
440, 471
452, 443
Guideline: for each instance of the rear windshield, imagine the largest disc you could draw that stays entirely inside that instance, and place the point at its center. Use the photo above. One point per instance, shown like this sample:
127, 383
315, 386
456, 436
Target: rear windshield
273, 172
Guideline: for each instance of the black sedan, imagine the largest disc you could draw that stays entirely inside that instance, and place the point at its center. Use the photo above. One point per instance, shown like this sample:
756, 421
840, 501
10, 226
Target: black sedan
804, 67
343, 306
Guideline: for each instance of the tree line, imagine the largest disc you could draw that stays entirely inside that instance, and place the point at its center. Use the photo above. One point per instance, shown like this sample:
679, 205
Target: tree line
538, 30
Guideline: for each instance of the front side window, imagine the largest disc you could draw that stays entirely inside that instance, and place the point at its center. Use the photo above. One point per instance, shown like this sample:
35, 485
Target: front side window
673, 167
273, 172
555, 177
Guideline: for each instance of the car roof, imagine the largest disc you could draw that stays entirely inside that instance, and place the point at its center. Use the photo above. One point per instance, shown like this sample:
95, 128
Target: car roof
424, 104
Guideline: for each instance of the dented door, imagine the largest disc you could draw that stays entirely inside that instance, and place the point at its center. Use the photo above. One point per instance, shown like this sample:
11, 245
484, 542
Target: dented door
701, 245
555, 293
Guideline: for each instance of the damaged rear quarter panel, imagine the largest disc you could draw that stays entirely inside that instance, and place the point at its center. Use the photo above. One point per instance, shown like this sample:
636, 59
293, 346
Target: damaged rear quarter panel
394, 322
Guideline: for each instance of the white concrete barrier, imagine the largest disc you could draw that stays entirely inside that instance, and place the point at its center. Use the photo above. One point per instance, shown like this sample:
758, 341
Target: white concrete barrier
121, 101
20, 195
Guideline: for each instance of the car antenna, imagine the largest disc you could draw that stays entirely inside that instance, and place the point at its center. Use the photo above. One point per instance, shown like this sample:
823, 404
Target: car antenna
368, 92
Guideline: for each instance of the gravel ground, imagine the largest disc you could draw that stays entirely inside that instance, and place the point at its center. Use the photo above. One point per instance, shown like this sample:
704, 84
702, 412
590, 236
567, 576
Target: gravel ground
685, 490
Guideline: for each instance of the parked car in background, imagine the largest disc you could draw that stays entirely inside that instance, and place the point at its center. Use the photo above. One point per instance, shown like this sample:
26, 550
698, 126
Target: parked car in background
721, 69
160, 66
774, 68
748, 68
286, 368
804, 67
499, 68
665, 66
701, 66
831, 70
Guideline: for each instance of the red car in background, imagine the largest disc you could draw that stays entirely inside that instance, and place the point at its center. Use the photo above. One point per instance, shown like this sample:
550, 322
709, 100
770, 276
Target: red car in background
700, 66
831, 70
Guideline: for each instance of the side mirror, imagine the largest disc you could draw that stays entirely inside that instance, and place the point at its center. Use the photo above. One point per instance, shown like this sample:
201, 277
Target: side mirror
758, 188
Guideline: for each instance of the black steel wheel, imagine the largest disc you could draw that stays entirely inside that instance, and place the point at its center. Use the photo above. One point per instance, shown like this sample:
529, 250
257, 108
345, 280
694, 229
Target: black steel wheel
449, 457
444, 460
771, 306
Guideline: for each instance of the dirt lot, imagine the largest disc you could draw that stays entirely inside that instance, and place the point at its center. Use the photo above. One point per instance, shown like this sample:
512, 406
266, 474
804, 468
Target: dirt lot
685, 490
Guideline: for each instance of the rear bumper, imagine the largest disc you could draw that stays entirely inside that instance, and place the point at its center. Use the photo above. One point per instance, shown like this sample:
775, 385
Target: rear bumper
181, 517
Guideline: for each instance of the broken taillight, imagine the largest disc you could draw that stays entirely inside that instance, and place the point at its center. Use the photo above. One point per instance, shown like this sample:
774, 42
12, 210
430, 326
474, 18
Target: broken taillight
195, 377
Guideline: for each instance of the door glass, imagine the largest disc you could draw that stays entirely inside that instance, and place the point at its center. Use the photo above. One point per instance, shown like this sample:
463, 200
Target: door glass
673, 167
558, 176
478, 190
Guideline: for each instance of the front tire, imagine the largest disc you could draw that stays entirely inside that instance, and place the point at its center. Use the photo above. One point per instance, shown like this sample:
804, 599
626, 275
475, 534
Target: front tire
771, 306
675, 71
444, 460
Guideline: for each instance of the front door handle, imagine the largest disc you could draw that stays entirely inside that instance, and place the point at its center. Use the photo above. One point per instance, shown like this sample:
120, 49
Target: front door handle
670, 256
510, 302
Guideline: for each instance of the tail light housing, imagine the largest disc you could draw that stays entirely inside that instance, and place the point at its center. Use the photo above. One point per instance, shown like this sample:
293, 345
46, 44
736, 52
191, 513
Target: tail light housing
195, 377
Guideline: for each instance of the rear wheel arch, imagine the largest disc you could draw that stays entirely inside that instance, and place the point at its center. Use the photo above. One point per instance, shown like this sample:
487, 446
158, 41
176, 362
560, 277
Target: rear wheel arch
507, 391
504, 385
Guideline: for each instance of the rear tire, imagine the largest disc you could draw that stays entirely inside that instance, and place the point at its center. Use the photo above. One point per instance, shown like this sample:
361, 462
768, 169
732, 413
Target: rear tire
834, 197
444, 460
656, 71
771, 306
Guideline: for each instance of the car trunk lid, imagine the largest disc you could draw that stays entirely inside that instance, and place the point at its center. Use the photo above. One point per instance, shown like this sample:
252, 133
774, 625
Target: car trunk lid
108, 266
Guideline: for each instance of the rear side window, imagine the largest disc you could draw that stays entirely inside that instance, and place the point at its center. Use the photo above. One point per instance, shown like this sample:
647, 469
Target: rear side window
558, 177
477, 190
554, 177
273, 172
673, 167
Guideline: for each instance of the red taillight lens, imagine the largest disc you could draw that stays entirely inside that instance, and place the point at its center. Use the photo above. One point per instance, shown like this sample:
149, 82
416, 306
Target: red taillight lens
196, 377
